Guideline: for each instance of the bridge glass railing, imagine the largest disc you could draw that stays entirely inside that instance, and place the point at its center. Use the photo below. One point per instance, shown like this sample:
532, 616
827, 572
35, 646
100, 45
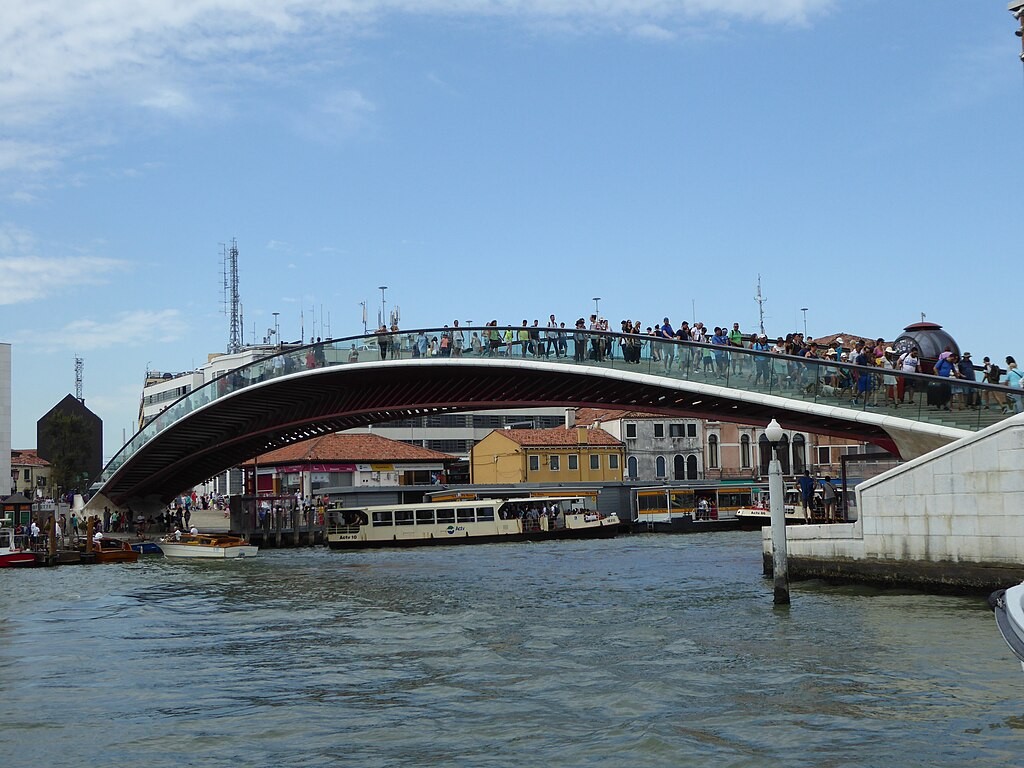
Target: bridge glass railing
953, 402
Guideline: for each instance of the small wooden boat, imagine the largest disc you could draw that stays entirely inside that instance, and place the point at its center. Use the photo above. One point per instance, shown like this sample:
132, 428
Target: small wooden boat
11, 554
113, 551
207, 545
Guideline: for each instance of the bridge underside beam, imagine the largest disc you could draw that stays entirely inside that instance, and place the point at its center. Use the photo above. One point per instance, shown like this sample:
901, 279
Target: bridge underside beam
266, 416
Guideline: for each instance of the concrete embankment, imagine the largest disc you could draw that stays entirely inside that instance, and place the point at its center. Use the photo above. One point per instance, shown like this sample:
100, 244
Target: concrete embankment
950, 521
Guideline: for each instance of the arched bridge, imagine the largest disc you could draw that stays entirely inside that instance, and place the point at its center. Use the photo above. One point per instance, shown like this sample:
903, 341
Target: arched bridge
338, 384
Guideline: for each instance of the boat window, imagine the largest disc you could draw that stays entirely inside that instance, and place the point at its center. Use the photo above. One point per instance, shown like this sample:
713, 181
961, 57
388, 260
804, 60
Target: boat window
382, 518
425, 516
484, 514
404, 517
465, 515
445, 516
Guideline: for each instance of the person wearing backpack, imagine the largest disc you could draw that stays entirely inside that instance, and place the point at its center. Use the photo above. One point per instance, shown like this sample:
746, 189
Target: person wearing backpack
992, 374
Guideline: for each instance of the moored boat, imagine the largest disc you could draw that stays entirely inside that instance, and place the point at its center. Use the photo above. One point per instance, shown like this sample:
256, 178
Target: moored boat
12, 555
110, 550
758, 514
1008, 606
476, 521
207, 545
147, 548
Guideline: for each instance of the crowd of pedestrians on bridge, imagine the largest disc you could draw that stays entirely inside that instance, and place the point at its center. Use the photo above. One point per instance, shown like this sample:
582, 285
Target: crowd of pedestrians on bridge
697, 348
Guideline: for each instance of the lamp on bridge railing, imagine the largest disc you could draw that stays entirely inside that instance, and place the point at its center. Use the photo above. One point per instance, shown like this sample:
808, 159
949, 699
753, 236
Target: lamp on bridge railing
597, 306
780, 569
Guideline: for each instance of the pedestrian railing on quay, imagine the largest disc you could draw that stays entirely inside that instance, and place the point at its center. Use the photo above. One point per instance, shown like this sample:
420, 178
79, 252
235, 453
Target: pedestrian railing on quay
957, 403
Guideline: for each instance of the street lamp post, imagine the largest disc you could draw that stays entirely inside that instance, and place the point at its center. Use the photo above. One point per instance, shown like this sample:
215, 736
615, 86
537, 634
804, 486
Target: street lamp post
780, 568
804, 310
277, 329
383, 313
597, 306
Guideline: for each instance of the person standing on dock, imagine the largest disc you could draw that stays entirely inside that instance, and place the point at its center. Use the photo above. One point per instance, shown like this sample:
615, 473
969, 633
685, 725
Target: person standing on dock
806, 483
829, 495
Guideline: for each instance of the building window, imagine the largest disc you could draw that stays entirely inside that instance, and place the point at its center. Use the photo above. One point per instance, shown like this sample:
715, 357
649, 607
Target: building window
631, 468
574, 462
534, 463
659, 429
613, 461
745, 451
691, 430
659, 466
799, 455
677, 430
27, 475
595, 461
630, 430
765, 450
712, 451
553, 462
678, 466
824, 454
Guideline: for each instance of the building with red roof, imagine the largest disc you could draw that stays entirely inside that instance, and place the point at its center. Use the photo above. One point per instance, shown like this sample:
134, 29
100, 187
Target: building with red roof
555, 455
345, 459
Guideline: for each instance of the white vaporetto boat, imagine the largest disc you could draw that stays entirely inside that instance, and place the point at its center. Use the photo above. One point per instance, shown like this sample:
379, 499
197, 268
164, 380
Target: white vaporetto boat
1008, 605
207, 545
475, 521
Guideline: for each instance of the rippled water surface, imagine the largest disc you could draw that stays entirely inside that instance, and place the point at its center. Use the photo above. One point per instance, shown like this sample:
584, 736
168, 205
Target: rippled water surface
642, 651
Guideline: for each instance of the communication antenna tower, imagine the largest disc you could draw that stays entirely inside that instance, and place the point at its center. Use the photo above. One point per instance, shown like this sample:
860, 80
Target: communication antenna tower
79, 368
232, 305
760, 303
396, 315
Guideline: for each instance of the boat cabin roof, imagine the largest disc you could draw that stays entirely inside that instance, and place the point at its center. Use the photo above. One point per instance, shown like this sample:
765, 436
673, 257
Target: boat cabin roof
470, 503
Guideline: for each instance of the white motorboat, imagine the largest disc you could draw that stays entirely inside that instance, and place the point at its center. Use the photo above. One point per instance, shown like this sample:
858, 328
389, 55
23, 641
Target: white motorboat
1008, 606
207, 545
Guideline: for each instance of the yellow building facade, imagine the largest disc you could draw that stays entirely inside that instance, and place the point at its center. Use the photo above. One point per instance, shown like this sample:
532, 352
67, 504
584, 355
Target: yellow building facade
557, 455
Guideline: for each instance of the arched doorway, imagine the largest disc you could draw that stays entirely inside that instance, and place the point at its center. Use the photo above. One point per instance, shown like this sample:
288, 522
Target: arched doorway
679, 468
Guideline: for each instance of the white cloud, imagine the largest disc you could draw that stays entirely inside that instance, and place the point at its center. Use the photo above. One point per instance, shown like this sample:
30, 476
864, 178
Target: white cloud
131, 329
338, 116
70, 67
171, 100
28, 277
653, 32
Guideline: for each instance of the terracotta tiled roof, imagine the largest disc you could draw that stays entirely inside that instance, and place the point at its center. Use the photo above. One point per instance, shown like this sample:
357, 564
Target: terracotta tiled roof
529, 438
351, 448
27, 458
587, 416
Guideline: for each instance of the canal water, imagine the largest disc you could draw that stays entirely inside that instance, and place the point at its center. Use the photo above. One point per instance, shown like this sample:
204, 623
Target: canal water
641, 651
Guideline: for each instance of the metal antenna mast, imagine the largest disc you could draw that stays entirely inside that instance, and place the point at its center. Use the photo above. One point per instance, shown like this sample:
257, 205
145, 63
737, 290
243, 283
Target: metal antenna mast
760, 303
79, 368
229, 261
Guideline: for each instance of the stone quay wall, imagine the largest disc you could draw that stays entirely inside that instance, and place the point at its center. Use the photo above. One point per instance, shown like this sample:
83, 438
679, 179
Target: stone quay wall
950, 520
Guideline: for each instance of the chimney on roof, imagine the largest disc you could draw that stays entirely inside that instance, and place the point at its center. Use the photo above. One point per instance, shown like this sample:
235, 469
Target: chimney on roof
597, 424
581, 435
570, 418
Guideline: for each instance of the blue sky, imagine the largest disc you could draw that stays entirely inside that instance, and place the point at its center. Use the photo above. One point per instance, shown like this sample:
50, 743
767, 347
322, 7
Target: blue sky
494, 160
